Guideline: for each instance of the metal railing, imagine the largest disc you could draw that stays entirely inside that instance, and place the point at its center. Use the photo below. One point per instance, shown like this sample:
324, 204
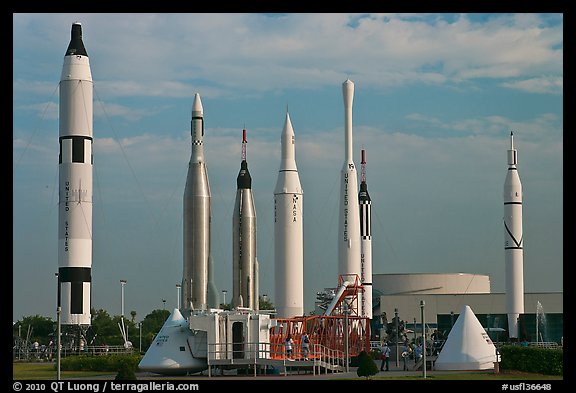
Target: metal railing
257, 354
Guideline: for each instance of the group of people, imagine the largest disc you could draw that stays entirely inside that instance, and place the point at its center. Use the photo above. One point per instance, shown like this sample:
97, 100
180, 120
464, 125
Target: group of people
289, 345
406, 351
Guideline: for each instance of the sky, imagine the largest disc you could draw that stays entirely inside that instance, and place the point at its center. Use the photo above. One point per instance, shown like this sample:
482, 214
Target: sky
436, 97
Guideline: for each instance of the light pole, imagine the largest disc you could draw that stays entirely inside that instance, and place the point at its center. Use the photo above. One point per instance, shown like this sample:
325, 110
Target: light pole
140, 343
423, 339
164, 304
224, 292
58, 312
396, 317
346, 333
178, 286
124, 332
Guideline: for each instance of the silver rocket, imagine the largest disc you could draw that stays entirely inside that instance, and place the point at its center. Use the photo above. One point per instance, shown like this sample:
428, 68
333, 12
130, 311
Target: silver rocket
349, 224
513, 242
197, 218
75, 183
365, 241
288, 231
244, 263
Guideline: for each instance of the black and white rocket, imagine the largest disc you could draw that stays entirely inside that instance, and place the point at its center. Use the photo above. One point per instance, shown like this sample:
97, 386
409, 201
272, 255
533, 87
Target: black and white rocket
288, 231
513, 242
365, 241
197, 216
75, 183
349, 224
244, 262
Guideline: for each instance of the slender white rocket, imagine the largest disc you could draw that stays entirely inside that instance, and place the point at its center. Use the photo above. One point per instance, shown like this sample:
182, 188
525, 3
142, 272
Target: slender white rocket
244, 269
75, 183
349, 225
513, 242
197, 217
288, 231
365, 241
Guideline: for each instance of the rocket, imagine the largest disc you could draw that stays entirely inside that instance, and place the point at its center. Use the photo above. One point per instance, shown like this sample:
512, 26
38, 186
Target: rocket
197, 218
244, 268
75, 166
288, 231
365, 241
349, 223
513, 242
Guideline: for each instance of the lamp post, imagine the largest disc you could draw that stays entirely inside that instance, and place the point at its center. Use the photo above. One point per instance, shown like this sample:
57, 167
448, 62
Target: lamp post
164, 304
178, 286
58, 343
224, 292
346, 333
423, 339
140, 343
396, 318
122, 283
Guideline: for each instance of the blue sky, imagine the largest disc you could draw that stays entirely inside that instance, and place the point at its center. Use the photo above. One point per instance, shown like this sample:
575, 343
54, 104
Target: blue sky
436, 96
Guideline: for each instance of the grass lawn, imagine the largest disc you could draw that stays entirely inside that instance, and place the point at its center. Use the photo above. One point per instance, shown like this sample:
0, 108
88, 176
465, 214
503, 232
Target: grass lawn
47, 371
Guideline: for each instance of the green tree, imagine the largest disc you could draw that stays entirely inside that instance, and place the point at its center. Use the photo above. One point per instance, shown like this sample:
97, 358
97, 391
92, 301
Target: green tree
366, 365
151, 325
264, 304
106, 328
37, 327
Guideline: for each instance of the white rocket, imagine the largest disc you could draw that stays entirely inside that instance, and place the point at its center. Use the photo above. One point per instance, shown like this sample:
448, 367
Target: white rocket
365, 241
288, 231
349, 225
75, 183
244, 262
513, 242
197, 216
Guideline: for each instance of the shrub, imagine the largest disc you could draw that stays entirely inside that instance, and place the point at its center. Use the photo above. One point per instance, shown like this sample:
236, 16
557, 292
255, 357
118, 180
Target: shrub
366, 365
532, 360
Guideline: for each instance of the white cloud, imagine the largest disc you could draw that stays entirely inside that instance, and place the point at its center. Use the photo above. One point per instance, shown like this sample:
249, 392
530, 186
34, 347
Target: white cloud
545, 84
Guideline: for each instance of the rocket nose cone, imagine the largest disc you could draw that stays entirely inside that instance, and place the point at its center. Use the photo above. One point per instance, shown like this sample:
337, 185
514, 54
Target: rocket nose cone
197, 105
348, 91
244, 180
76, 46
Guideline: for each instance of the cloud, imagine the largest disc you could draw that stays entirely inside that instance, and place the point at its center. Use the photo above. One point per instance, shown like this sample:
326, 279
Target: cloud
166, 54
545, 84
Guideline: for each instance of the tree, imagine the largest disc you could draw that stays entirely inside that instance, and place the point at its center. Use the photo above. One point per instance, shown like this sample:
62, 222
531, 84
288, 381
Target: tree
133, 315
264, 303
40, 329
366, 365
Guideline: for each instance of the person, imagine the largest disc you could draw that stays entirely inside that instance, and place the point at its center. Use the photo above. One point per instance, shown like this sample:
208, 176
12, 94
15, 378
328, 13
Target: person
405, 354
417, 353
288, 344
385, 357
305, 345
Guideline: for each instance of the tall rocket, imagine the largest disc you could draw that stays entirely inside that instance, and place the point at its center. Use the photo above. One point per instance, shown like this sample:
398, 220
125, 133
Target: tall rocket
349, 225
75, 184
365, 241
244, 262
288, 231
513, 242
197, 217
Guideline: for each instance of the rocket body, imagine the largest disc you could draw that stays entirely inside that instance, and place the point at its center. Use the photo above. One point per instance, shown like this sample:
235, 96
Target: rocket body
349, 224
197, 219
244, 269
365, 243
288, 231
513, 242
75, 183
